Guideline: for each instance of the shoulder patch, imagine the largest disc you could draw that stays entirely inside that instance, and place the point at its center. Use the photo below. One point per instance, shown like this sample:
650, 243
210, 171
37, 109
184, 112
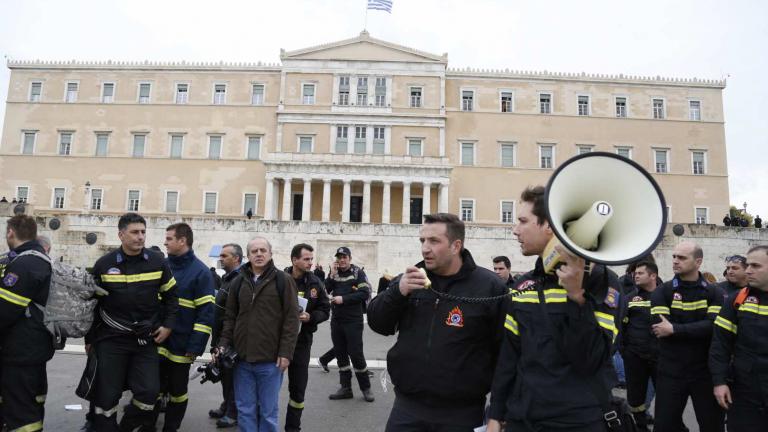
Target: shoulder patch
113, 271
10, 279
612, 298
525, 285
677, 296
637, 299
752, 299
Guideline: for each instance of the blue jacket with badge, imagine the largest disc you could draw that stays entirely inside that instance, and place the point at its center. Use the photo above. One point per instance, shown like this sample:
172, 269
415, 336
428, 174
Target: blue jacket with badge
194, 287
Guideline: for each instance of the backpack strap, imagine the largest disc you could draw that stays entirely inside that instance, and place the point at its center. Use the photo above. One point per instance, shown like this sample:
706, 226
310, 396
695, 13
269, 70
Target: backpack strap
740, 297
280, 286
37, 254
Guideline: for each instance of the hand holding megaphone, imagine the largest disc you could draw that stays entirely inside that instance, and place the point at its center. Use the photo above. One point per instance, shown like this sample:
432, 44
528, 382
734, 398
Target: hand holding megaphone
414, 278
571, 274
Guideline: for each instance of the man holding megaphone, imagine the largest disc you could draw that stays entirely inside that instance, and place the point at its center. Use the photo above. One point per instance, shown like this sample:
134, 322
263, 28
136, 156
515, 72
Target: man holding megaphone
554, 371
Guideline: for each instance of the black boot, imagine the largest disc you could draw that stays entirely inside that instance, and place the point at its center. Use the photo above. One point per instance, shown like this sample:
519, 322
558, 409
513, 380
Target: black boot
368, 395
342, 393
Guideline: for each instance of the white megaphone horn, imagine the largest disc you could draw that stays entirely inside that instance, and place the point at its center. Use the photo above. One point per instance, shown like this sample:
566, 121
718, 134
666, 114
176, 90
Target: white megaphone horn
604, 208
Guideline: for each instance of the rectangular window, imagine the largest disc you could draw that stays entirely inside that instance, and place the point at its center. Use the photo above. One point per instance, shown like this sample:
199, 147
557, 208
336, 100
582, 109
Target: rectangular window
254, 147
507, 155
416, 93
343, 90
379, 145
171, 201
546, 156
71, 95
360, 138
257, 94
219, 94
545, 103
134, 199
467, 210
214, 147
583, 105
341, 139
467, 153
583, 149
177, 146
108, 93
58, 198
699, 162
305, 144
380, 92
209, 206
658, 108
506, 102
145, 90
507, 211
621, 107
35, 91
139, 142
102, 143
702, 215
28, 147
249, 203
182, 93
624, 152
97, 196
308, 94
662, 165
362, 91
65, 143
414, 147
22, 194
694, 110
467, 99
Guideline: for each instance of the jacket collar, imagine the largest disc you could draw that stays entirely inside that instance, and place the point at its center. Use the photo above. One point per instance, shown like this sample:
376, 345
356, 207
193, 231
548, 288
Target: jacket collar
182, 260
29, 245
121, 256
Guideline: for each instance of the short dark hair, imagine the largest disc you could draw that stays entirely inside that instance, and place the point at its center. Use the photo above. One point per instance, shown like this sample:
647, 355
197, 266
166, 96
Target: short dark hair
698, 252
763, 248
535, 196
296, 251
651, 267
130, 218
454, 227
236, 248
182, 230
504, 259
23, 226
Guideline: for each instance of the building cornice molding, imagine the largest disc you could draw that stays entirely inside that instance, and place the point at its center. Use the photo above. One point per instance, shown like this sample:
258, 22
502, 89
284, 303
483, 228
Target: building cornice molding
358, 172
347, 118
145, 65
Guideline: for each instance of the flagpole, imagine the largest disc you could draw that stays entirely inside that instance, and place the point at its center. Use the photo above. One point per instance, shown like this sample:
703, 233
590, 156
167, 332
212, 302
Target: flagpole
365, 26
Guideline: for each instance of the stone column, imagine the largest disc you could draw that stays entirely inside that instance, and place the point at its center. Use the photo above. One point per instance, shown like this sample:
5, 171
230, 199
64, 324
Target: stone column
326, 200
286, 216
406, 202
345, 203
385, 203
366, 201
306, 206
426, 207
268, 197
442, 204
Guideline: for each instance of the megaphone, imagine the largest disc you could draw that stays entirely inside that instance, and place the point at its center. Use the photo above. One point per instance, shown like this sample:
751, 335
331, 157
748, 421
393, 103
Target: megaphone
604, 208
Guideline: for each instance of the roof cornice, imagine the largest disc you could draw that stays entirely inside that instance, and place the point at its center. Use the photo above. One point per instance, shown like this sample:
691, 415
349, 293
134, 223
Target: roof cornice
143, 65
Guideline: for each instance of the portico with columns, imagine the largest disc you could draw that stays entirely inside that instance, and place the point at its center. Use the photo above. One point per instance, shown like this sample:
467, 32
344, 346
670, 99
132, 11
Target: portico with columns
364, 193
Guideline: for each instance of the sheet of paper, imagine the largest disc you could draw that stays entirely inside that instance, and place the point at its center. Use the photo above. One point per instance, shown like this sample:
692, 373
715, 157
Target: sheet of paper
303, 304
75, 407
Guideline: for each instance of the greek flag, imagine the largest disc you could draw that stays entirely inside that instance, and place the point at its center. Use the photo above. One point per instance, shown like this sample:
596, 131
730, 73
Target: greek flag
384, 5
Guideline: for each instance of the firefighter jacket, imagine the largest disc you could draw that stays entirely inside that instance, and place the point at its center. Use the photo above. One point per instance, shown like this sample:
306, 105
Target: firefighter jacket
635, 334
740, 347
195, 289
142, 295
447, 344
691, 307
24, 340
353, 287
547, 361
311, 288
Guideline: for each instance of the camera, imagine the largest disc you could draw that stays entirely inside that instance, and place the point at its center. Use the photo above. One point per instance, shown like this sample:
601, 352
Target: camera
211, 371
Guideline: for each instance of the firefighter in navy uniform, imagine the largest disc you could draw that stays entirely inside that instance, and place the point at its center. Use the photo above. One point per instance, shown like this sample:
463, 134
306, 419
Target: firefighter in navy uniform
137, 314
194, 321
317, 310
26, 345
554, 370
350, 290
683, 310
638, 345
739, 350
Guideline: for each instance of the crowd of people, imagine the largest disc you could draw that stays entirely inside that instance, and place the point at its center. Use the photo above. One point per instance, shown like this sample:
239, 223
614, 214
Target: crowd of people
545, 346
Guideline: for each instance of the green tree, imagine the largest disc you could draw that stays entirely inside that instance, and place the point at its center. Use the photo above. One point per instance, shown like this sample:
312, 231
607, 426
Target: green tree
742, 214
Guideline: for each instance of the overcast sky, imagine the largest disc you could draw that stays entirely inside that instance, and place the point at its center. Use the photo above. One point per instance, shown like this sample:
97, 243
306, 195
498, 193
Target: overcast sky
681, 38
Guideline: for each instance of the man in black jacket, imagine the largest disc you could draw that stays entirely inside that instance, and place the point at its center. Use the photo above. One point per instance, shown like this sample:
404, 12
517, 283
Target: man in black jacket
317, 310
554, 371
442, 363
231, 257
25, 344
735, 274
